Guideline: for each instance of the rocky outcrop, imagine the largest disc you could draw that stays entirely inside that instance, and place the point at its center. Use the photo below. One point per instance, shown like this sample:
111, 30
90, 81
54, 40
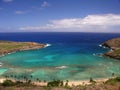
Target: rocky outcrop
114, 45
10, 46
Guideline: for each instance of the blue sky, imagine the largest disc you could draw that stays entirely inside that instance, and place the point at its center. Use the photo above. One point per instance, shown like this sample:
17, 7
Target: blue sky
59, 15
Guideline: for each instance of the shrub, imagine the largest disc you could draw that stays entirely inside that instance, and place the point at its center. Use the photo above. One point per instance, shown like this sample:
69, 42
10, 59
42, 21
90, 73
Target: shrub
55, 83
113, 80
92, 81
118, 79
8, 83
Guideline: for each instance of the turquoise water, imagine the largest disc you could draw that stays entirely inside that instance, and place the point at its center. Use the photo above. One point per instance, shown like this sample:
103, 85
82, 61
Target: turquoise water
2, 70
73, 57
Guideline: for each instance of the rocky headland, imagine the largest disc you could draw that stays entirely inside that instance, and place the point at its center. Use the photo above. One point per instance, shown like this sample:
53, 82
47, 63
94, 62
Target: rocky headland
114, 45
11, 46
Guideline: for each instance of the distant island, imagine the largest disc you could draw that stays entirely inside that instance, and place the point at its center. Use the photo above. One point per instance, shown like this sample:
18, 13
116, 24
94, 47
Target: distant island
11, 46
114, 45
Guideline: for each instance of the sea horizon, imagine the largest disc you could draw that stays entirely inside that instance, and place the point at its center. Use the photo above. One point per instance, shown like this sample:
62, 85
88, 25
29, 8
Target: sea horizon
64, 32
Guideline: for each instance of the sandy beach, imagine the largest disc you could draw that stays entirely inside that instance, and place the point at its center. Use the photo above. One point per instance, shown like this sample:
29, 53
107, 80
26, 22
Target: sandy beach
70, 83
86, 82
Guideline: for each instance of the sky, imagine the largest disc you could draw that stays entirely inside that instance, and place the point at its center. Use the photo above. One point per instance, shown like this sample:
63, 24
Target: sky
60, 16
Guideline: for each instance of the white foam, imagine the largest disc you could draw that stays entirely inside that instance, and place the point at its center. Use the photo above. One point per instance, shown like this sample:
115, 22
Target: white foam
2, 55
9, 53
98, 54
47, 45
6, 54
100, 45
111, 50
62, 67
104, 47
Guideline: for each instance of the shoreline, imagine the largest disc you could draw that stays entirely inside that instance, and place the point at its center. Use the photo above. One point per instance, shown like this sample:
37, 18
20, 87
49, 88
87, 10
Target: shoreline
1, 55
70, 83
86, 82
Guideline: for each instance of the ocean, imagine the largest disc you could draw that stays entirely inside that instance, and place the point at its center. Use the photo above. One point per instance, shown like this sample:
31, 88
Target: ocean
69, 56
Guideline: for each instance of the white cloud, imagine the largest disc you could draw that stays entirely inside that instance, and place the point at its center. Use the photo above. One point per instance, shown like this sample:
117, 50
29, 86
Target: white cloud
90, 23
7, 0
42, 6
45, 4
20, 12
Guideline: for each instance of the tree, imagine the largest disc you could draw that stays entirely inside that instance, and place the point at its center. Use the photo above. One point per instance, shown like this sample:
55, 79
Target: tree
8, 83
113, 74
66, 84
31, 76
61, 83
37, 79
92, 81
55, 83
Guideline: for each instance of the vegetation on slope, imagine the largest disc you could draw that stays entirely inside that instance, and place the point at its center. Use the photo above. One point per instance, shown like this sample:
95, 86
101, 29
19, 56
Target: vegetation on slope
114, 45
9, 46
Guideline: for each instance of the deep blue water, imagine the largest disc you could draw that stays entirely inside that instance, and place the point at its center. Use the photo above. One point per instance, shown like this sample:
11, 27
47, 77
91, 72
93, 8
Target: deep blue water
72, 56
57, 37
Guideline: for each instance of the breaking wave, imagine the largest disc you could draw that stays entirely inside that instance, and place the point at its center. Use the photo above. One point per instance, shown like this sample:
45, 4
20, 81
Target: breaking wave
1, 64
62, 67
98, 54
47, 45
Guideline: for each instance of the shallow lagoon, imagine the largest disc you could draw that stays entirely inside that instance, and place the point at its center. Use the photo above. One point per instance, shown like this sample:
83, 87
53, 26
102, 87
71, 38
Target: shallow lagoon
74, 56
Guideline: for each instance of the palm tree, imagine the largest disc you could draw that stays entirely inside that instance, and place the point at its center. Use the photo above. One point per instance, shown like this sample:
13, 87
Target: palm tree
44, 81
6, 76
113, 74
29, 82
66, 84
25, 78
22, 78
61, 83
15, 77
37, 79
31, 76
11, 76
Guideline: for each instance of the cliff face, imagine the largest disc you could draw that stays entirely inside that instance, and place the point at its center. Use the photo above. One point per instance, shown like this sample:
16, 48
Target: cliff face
9, 46
114, 45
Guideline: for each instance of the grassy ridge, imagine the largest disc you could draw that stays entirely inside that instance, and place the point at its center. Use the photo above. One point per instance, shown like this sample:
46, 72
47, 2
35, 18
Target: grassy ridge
117, 51
9, 46
114, 45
